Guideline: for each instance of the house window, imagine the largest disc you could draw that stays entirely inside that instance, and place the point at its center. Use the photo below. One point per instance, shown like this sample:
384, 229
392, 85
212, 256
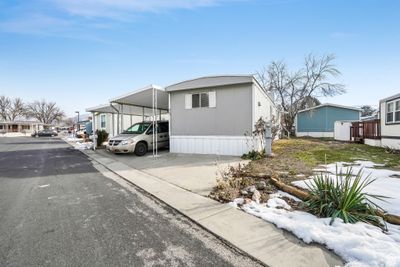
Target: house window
26, 127
195, 100
204, 100
393, 111
103, 121
200, 100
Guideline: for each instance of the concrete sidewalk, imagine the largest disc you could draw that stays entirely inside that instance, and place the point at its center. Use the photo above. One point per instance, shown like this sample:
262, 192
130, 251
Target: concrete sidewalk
256, 237
193, 172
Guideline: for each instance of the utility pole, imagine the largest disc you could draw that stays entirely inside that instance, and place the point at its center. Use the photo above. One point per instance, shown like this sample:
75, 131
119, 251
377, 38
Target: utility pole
78, 128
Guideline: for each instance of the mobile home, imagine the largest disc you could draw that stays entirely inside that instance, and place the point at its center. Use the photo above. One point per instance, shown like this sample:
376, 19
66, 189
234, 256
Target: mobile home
217, 114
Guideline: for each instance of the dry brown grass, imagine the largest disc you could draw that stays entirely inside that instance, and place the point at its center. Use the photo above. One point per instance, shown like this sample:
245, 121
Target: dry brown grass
295, 159
301, 155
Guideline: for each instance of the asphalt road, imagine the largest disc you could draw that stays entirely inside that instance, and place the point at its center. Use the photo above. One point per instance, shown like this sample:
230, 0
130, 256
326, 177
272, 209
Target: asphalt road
57, 208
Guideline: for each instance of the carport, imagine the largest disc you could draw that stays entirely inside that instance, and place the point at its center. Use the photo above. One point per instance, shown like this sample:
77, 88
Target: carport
150, 102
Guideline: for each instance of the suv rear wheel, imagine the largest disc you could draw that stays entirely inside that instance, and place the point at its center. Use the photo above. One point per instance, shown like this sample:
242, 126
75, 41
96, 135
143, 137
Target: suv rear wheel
140, 149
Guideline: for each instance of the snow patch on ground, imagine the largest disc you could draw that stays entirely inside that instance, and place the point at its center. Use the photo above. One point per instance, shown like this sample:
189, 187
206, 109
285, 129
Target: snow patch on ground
78, 143
358, 244
278, 203
281, 194
236, 202
83, 146
14, 134
73, 139
384, 185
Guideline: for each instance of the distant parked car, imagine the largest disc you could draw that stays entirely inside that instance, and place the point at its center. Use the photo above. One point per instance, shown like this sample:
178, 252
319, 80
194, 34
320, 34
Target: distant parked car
138, 138
44, 133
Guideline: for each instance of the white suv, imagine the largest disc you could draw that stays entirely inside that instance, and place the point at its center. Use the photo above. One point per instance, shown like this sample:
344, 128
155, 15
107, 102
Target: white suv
138, 138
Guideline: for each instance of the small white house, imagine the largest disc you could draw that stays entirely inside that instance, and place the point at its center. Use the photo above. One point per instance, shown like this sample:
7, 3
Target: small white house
217, 114
109, 119
20, 126
109, 122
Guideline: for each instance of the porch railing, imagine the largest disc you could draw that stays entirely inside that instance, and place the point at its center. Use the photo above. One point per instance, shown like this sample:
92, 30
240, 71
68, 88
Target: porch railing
365, 130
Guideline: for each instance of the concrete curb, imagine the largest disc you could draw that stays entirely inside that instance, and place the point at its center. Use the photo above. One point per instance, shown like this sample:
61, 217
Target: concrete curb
247, 234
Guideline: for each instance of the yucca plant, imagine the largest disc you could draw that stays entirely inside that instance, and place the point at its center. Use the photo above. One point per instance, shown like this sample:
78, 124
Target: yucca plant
345, 198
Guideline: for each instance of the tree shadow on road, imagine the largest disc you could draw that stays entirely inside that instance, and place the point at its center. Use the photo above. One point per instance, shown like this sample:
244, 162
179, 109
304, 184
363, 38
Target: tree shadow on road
43, 162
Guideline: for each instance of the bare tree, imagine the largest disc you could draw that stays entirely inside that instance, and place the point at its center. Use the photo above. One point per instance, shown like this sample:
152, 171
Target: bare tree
45, 112
5, 103
69, 122
16, 109
367, 110
297, 90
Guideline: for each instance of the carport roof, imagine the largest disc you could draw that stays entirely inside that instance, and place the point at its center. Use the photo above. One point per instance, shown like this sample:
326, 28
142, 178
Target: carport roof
127, 110
144, 98
106, 108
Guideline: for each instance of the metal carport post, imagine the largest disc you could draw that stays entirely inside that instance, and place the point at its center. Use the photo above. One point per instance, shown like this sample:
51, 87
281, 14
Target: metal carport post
94, 130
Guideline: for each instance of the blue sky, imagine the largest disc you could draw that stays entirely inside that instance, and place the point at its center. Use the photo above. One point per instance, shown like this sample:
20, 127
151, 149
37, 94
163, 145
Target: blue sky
81, 53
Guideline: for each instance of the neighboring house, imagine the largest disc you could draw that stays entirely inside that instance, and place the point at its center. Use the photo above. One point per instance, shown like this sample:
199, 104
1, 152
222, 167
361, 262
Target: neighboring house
109, 122
319, 121
390, 121
20, 126
383, 130
216, 115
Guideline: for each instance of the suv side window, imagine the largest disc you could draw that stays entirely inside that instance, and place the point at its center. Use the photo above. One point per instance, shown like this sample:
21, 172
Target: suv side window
163, 127
150, 130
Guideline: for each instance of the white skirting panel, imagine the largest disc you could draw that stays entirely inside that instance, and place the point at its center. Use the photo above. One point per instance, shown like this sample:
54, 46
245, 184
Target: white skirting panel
373, 142
315, 134
218, 145
392, 143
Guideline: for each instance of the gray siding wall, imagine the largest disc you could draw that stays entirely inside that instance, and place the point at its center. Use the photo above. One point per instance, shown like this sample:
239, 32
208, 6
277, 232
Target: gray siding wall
231, 116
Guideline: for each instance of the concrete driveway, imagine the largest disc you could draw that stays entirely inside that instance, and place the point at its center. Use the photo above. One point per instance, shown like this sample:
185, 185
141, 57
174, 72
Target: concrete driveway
196, 173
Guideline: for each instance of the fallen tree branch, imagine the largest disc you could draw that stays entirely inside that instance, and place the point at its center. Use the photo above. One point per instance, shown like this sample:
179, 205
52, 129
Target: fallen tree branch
390, 218
303, 195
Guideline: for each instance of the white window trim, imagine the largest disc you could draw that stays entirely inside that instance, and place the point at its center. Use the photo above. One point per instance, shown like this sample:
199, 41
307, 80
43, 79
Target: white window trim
394, 111
188, 101
212, 100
